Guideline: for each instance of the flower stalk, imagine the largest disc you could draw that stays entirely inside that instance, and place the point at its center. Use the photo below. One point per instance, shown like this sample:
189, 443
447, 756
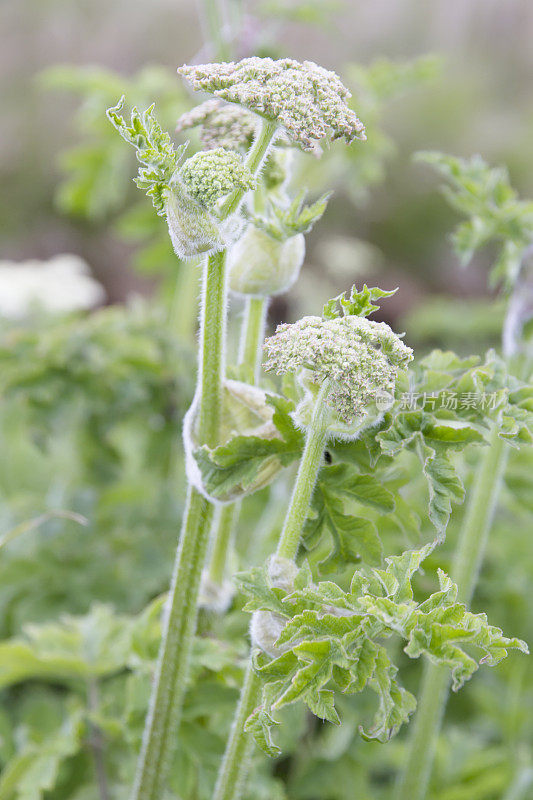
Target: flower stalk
225, 523
236, 762
251, 341
305, 480
234, 767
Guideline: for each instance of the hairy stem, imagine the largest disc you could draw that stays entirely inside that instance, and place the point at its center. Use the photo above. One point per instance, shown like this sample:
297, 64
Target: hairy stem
413, 781
254, 160
213, 325
97, 741
306, 478
252, 335
225, 523
180, 622
250, 348
234, 768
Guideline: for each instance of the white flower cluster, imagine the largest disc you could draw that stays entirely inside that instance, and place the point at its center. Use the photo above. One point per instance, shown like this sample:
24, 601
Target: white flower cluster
222, 125
308, 101
359, 357
208, 176
62, 284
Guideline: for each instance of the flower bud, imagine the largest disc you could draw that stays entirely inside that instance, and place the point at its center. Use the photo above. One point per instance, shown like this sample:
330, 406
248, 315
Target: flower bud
265, 630
192, 228
209, 176
193, 192
245, 412
359, 357
260, 265
266, 626
214, 596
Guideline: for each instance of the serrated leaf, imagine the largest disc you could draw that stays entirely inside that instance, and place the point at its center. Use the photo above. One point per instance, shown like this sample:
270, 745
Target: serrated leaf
358, 303
485, 196
332, 641
76, 648
255, 584
364, 488
156, 154
352, 537
34, 770
260, 724
445, 487
282, 222
395, 703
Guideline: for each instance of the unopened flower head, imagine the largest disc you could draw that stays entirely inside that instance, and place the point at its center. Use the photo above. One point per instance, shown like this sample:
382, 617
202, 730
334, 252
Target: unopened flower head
208, 176
307, 101
359, 357
266, 626
222, 125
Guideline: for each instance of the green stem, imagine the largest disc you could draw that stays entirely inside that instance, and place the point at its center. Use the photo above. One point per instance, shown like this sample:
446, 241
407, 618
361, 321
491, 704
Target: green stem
97, 740
254, 160
413, 781
236, 760
306, 478
225, 524
250, 348
171, 674
251, 342
235, 763
213, 325
180, 624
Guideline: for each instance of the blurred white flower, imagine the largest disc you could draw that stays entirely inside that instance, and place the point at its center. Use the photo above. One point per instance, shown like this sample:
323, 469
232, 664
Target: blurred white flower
62, 284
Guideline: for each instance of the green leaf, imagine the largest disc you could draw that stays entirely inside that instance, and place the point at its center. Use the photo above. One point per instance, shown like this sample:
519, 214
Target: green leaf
158, 157
445, 487
246, 463
95, 645
352, 537
255, 584
282, 222
364, 488
395, 703
485, 196
331, 642
260, 724
359, 304
34, 770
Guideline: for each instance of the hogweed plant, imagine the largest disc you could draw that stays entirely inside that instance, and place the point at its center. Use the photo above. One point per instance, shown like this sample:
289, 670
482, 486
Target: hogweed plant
201, 199
233, 205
